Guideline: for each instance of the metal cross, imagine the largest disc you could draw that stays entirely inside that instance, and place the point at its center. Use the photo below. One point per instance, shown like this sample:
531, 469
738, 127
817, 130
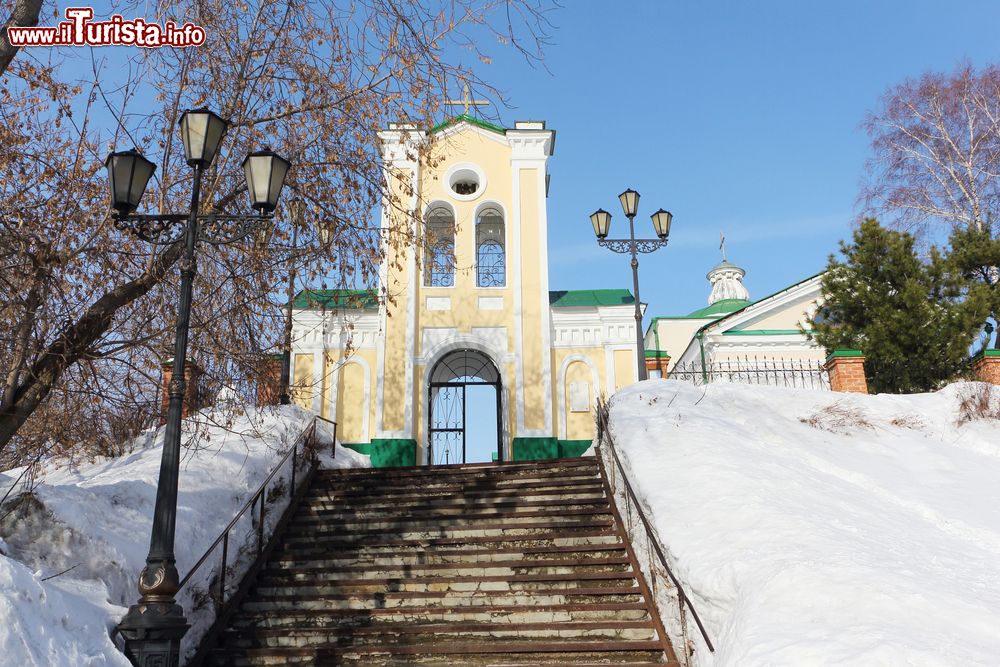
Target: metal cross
466, 100
722, 245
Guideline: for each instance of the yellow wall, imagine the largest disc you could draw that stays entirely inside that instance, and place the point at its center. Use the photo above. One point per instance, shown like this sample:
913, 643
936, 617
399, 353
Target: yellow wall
354, 386
625, 368
302, 380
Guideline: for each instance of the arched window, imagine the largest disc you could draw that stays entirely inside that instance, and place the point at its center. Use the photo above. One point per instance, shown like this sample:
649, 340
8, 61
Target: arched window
491, 262
439, 258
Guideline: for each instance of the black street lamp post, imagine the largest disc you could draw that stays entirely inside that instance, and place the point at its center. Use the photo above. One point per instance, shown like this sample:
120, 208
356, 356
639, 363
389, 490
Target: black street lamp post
601, 220
154, 626
284, 397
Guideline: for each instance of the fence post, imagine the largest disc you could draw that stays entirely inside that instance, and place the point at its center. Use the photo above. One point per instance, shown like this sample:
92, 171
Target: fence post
847, 371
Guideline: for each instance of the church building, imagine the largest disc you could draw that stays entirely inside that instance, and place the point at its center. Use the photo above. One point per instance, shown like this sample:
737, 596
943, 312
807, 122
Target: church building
734, 336
476, 309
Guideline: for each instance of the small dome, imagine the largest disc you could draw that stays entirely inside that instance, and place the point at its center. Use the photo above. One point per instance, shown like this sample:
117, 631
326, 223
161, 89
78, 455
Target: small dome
727, 283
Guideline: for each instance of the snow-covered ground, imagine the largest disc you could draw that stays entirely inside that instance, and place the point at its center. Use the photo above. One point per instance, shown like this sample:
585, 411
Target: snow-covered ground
816, 528
92, 524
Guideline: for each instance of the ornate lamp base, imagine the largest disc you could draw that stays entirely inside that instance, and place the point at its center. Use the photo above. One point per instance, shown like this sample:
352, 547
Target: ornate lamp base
154, 626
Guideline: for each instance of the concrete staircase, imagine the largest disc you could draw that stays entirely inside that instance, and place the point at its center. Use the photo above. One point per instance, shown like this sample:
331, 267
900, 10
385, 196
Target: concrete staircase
512, 564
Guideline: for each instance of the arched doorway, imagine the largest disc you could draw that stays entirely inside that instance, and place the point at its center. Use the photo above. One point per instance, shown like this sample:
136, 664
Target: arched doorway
447, 417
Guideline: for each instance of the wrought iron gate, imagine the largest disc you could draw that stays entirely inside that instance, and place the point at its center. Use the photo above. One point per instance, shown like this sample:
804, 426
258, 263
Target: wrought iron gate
446, 432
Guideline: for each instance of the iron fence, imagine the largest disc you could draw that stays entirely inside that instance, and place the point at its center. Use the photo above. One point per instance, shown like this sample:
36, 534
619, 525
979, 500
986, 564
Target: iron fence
771, 371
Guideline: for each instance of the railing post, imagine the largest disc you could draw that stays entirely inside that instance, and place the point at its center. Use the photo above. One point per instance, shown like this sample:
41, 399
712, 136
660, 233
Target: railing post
222, 573
260, 522
295, 463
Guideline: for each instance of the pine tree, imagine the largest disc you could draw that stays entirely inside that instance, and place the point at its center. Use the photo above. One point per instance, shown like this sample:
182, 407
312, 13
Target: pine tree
975, 253
914, 320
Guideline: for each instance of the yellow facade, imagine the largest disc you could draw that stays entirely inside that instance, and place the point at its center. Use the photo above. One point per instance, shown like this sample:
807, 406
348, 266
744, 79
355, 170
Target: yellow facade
481, 189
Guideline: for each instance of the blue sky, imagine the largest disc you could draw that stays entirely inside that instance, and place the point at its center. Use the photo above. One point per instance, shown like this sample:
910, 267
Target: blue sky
740, 117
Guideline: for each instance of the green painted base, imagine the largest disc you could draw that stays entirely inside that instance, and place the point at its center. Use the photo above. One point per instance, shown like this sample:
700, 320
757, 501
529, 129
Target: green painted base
532, 449
571, 448
388, 452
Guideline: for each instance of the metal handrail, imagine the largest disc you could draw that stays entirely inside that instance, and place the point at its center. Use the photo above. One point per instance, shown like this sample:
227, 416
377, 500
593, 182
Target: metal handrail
305, 440
652, 537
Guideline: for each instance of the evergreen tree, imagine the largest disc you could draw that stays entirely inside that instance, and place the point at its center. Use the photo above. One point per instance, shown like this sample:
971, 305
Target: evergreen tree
975, 253
914, 320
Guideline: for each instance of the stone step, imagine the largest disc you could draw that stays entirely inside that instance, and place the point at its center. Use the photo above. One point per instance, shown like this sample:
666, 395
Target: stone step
331, 510
471, 518
411, 634
484, 529
551, 467
414, 495
410, 494
299, 600
499, 615
496, 652
340, 560
373, 485
480, 568
269, 585
372, 544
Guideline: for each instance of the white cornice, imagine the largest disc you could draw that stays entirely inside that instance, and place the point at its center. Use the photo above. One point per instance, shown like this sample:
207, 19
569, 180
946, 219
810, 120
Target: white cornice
530, 144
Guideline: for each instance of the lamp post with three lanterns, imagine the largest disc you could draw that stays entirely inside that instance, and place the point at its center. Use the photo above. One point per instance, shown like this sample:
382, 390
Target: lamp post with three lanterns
154, 626
601, 220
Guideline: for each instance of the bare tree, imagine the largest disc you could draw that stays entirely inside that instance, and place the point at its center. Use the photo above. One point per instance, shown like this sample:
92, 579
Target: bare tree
936, 152
24, 14
85, 309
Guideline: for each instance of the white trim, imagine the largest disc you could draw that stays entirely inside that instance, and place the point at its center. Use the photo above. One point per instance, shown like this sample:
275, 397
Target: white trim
545, 308
437, 303
469, 166
563, 368
490, 303
515, 256
609, 370
464, 125
319, 378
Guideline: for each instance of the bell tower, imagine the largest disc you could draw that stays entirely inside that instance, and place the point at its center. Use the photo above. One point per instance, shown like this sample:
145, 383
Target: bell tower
474, 195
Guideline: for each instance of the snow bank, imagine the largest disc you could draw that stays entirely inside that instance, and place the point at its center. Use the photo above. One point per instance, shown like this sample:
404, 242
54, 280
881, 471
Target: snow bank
92, 523
816, 528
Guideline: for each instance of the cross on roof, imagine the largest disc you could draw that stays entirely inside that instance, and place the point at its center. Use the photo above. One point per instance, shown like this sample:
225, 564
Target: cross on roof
722, 245
466, 100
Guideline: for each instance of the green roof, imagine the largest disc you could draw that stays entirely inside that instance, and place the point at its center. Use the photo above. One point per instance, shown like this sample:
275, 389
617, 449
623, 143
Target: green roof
472, 120
582, 298
720, 307
335, 298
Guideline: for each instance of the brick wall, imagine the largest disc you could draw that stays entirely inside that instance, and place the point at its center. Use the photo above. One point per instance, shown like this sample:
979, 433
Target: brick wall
657, 364
986, 366
269, 381
847, 371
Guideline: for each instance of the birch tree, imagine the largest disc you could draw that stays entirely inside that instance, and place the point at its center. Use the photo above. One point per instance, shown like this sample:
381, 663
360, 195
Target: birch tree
936, 152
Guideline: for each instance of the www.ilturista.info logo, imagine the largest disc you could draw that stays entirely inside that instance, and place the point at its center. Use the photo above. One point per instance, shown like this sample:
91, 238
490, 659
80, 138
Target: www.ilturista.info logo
79, 30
